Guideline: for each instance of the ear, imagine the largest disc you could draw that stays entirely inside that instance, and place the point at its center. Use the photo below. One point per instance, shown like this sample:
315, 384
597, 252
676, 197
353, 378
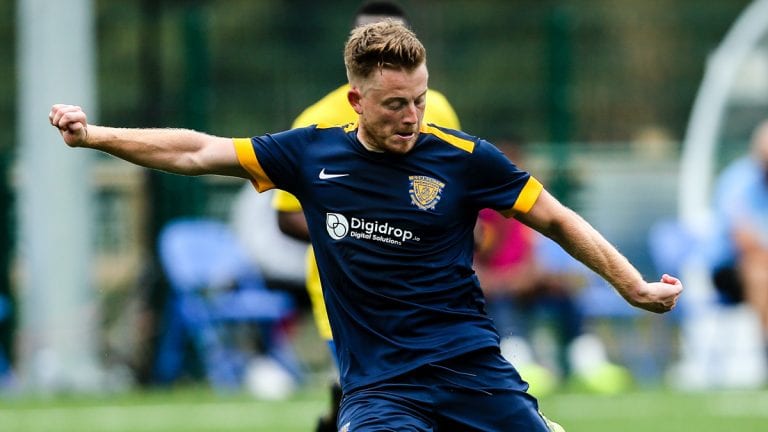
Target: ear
354, 97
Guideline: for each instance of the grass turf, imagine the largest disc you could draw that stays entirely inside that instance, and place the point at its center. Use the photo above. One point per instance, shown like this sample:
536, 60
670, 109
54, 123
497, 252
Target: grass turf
196, 410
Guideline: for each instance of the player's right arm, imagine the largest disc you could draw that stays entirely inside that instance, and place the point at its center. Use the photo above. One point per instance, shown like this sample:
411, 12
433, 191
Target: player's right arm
180, 151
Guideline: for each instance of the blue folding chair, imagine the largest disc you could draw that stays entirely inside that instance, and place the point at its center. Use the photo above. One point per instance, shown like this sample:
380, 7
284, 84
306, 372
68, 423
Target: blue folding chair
215, 288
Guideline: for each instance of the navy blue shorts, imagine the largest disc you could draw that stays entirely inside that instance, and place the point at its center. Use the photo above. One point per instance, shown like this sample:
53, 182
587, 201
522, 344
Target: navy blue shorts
477, 391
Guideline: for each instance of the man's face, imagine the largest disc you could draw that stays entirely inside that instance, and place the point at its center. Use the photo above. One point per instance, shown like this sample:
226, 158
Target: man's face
390, 104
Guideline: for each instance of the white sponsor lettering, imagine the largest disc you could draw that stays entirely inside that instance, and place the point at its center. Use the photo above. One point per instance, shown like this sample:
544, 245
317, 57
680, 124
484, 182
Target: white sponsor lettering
339, 226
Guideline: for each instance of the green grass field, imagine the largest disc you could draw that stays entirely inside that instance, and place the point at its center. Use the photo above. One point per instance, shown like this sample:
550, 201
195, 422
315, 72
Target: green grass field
200, 410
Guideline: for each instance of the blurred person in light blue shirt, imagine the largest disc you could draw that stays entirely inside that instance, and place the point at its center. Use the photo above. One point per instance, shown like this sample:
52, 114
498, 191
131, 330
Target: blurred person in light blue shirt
739, 256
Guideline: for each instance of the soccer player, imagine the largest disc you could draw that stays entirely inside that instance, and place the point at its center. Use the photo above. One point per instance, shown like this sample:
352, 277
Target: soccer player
334, 109
391, 204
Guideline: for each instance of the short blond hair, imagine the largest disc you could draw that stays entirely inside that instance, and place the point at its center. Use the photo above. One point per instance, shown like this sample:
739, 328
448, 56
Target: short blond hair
386, 44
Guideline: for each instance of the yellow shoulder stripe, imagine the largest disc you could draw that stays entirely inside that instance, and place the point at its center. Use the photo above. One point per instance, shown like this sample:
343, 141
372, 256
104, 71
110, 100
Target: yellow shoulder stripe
527, 197
464, 144
347, 126
247, 158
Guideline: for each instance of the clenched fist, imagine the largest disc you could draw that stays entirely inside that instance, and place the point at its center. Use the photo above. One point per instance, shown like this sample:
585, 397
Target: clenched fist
71, 122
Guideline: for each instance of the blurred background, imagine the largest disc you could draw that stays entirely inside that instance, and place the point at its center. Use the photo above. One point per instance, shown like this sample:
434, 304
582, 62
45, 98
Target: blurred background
602, 91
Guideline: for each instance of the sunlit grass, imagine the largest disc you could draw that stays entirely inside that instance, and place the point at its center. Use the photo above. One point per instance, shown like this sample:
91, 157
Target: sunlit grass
180, 410
198, 410
660, 411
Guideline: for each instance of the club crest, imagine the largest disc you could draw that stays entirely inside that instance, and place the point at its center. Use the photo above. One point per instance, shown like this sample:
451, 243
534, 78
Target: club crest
425, 191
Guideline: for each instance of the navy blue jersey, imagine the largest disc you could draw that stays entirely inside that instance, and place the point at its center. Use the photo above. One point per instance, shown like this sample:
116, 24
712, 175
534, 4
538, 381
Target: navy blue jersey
393, 238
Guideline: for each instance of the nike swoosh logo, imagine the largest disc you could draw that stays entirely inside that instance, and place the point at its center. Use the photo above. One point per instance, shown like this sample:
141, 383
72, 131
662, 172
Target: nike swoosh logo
324, 176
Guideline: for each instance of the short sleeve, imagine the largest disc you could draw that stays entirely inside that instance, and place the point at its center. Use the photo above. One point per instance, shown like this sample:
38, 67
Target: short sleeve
247, 158
274, 160
497, 183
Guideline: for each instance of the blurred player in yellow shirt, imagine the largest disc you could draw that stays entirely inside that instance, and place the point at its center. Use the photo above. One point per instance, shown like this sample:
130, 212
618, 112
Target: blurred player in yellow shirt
334, 108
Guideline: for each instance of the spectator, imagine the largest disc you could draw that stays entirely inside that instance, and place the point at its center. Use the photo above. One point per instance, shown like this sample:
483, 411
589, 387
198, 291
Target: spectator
740, 252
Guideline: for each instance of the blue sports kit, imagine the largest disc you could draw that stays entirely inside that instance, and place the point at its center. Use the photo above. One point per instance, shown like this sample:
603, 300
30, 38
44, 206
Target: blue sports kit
393, 239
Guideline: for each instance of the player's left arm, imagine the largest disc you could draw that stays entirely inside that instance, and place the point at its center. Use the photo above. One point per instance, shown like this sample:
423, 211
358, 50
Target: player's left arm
577, 237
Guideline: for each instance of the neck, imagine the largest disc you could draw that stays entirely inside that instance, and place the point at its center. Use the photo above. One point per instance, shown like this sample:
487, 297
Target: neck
366, 145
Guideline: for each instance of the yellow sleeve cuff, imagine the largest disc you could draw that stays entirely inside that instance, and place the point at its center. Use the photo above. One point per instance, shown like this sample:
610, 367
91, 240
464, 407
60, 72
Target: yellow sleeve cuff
527, 197
247, 158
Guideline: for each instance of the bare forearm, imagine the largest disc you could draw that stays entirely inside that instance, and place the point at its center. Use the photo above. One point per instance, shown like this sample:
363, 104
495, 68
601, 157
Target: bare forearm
584, 243
174, 150
577, 237
179, 151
